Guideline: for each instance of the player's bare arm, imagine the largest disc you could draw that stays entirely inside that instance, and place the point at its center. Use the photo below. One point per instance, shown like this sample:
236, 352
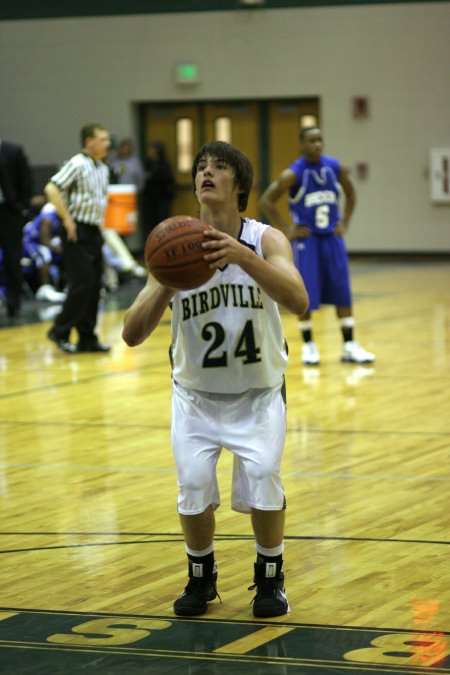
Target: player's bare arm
145, 313
275, 273
45, 233
350, 201
283, 281
268, 204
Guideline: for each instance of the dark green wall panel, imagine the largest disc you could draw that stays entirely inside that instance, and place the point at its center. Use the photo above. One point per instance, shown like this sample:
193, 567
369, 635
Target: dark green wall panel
31, 9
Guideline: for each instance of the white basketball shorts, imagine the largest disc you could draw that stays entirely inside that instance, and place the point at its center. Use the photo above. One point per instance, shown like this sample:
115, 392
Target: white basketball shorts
251, 425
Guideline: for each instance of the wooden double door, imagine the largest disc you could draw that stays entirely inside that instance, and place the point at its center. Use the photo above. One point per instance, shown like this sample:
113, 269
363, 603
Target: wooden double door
266, 131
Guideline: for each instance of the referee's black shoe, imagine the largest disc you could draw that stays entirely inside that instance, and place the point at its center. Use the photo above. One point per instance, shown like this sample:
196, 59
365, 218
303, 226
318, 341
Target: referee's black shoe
200, 590
63, 344
270, 598
94, 346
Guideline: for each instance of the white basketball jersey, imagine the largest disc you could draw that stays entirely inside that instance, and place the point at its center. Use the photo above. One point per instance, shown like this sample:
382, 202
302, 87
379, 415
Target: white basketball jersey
227, 335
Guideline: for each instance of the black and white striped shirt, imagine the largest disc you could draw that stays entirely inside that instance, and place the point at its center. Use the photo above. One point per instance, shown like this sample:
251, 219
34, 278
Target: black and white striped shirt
84, 183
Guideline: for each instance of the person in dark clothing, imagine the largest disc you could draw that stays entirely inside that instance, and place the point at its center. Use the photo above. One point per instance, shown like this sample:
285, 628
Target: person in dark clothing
15, 195
158, 190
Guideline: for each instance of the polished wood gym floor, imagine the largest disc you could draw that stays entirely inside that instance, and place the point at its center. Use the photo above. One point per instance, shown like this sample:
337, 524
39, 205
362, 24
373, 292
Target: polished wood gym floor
91, 556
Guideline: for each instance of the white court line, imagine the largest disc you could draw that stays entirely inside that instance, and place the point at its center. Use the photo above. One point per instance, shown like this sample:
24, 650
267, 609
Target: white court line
295, 474
348, 476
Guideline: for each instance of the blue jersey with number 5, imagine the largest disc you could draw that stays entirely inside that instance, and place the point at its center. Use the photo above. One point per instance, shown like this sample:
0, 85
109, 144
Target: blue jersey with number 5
314, 200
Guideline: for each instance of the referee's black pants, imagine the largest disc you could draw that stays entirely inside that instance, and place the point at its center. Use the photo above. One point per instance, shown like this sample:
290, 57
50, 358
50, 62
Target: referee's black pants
83, 263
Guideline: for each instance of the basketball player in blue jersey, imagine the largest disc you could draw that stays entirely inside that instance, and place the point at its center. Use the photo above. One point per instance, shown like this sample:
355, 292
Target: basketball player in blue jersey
41, 242
228, 362
313, 184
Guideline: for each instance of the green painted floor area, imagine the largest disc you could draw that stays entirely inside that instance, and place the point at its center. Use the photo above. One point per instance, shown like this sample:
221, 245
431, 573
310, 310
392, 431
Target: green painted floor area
59, 642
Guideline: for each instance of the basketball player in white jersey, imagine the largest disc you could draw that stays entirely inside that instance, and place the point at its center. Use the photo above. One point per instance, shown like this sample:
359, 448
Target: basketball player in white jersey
229, 357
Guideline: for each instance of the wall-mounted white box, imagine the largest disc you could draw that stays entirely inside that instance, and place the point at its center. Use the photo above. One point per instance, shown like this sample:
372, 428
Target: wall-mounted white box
440, 175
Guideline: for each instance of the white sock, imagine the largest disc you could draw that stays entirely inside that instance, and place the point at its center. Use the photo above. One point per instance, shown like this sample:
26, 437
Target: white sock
270, 552
200, 554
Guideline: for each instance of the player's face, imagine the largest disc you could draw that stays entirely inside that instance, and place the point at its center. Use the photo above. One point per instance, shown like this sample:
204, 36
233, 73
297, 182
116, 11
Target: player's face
214, 182
312, 145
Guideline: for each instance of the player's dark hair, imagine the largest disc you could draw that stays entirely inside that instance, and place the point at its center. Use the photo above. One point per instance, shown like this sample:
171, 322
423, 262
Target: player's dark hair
243, 169
88, 131
305, 130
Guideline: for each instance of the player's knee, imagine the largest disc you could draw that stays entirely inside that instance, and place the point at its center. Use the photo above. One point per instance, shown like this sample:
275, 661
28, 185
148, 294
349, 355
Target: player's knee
195, 482
263, 471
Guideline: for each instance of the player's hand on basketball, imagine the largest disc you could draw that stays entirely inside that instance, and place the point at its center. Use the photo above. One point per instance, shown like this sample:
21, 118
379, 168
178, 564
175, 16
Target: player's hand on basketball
222, 249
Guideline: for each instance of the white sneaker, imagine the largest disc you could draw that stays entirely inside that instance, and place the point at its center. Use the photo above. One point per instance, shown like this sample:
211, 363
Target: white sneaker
352, 352
139, 272
47, 293
310, 354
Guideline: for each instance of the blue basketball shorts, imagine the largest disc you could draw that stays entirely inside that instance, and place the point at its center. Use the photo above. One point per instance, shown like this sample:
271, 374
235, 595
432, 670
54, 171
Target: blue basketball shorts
323, 263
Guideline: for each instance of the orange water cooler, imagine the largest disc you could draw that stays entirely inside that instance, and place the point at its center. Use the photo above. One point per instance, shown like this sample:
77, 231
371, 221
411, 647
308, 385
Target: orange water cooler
121, 210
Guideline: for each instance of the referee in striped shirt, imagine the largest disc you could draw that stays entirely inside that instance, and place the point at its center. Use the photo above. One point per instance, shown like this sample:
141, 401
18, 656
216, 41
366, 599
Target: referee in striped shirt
79, 193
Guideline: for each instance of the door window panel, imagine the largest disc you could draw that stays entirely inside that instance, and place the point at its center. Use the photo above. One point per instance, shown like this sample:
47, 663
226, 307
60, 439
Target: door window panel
184, 143
222, 129
308, 121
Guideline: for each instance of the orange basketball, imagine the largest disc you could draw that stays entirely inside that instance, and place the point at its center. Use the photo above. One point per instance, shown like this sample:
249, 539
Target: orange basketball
174, 254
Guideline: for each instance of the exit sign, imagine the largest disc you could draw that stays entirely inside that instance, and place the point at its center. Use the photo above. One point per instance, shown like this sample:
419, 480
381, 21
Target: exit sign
187, 73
